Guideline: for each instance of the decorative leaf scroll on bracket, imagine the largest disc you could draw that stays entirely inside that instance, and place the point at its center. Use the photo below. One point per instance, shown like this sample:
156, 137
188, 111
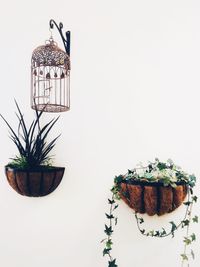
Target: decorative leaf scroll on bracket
66, 41
157, 188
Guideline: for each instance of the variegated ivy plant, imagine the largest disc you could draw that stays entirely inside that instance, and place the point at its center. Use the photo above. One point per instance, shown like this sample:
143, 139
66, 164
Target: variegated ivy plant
166, 173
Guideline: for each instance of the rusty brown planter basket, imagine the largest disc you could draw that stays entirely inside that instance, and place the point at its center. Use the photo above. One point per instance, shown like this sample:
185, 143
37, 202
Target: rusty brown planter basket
152, 198
34, 183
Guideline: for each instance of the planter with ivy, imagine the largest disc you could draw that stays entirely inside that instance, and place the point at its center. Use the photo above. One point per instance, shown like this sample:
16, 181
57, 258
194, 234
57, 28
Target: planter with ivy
31, 173
155, 189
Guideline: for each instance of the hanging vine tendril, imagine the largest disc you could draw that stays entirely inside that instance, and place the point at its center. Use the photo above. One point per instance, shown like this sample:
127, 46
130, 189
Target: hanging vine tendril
112, 220
163, 232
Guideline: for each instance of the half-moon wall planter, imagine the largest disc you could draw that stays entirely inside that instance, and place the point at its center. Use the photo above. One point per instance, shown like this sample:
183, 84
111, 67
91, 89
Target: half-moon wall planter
34, 183
152, 198
154, 188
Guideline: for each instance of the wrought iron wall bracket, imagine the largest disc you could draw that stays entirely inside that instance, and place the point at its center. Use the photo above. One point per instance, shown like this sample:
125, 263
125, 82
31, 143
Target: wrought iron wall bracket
66, 41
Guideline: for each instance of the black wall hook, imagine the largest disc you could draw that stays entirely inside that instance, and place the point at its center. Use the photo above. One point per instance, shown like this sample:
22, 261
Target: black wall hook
66, 41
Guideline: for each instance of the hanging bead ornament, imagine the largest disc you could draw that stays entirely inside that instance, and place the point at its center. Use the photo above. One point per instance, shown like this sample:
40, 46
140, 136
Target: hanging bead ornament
50, 74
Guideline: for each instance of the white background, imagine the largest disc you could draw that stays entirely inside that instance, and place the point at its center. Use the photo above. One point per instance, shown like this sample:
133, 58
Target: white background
134, 96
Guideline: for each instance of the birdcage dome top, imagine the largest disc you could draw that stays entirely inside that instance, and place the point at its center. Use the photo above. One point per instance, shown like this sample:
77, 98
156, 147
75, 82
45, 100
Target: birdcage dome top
50, 55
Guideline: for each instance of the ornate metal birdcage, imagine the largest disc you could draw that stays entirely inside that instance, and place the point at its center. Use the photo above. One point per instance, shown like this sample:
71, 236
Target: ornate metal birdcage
50, 75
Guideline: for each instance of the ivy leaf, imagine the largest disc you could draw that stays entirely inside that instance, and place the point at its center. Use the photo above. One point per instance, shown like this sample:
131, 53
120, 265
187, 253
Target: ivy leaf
163, 232
115, 207
174, 227
109, 216
111, 201
187, 203
150, 167
187, 241
157, 233
109, 244
112, 263
151, 232
185, 223
130, 172
118, 179
192, 180
195, 219
194, 198
184, 257
141, 220
108, 230
161, 166
193, 237
106, 251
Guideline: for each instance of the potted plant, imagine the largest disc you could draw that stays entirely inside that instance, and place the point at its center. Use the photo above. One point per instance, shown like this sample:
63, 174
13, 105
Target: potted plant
31, 173
156, 189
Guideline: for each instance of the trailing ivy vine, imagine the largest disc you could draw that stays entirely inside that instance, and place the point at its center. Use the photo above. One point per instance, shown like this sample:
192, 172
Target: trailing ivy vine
189, 238
185, 223
112, 221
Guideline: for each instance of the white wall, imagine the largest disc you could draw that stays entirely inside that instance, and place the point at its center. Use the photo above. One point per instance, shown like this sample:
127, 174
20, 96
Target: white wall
135, 96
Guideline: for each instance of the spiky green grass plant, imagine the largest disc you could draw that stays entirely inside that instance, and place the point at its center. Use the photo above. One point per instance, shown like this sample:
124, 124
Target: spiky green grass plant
31, 141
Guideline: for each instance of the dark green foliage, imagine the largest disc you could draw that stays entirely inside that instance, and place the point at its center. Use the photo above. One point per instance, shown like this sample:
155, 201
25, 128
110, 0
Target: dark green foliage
194, 198
174, 228
185, 223
195, 219
109, 231
192, 180
31, 141
111, 201
106, 251
109, 216
141, 220
161, 166
112, 263
120, 178
187, 203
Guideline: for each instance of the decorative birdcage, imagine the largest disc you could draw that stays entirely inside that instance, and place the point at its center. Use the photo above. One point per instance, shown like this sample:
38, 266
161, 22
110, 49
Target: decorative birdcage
50, 75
